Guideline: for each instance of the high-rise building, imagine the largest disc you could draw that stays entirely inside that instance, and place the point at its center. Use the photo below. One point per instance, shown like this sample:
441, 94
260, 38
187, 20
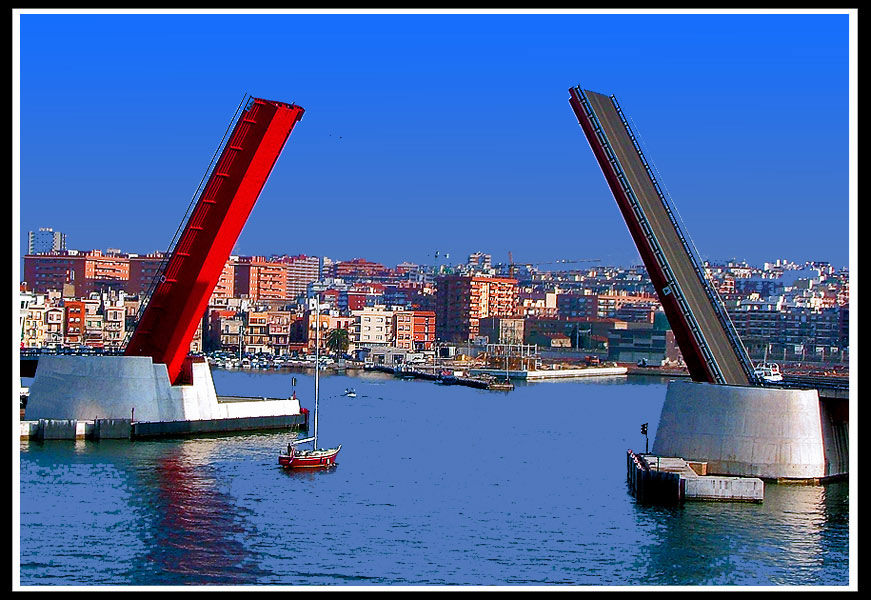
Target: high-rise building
45, 240
301, 270
461, 301
260, 280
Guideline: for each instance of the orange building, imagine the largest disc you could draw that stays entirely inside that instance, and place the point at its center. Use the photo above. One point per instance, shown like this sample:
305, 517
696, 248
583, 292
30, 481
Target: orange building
301, 270
74, 315
414, 330
461, 301
259, 279
86, 272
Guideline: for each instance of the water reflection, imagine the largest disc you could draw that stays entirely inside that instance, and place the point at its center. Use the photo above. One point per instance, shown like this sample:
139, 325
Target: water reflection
197, 530
782, 541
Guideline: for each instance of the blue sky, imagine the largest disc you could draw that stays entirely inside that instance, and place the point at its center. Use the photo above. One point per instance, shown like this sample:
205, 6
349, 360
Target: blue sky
456, 132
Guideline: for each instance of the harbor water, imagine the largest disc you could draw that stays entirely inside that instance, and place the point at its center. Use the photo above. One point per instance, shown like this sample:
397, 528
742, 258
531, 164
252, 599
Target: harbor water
435, 485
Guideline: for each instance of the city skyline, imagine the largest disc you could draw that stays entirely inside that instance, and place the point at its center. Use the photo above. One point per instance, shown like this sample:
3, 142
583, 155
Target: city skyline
448, 132
558, 265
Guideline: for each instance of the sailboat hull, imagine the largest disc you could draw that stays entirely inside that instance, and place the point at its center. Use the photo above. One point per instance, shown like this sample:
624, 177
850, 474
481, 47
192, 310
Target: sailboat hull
309, 459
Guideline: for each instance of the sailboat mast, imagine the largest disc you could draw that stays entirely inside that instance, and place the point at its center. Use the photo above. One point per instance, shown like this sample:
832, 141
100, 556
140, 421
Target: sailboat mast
317, 366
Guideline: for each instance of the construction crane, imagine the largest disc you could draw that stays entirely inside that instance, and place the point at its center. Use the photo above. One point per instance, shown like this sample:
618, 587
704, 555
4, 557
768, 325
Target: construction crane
180, 293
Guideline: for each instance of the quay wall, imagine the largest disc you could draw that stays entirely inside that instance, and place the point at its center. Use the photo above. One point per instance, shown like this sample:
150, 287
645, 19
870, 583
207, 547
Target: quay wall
105, 392
746, 431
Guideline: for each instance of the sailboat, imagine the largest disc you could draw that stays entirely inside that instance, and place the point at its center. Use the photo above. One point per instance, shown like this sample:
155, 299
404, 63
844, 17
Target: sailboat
316, 458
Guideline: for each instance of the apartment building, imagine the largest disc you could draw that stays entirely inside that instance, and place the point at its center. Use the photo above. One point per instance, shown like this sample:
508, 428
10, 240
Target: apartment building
300, 271
372, 328
225, 288
414, 330
74, 322
461, 301
33, 320
86, 272
359, 268
45, 240
142, 271
258, 279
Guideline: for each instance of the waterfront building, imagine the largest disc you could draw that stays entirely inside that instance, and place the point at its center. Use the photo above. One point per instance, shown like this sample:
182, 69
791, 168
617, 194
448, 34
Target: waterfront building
414, 330
345, 322
256, 334
461, 301
642, 342
45, 240
372, 327
278, 331
74, 322
223, 330
33, 318
114, 321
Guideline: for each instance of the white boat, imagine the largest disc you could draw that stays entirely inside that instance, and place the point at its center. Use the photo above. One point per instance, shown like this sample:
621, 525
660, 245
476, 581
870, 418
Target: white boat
350, 393
768, 372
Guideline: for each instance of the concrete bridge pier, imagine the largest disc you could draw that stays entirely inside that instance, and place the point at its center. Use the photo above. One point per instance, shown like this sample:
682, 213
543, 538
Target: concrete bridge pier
748, 431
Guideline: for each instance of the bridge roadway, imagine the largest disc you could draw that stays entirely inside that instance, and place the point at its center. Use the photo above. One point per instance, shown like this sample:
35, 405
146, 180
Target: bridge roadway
677, 258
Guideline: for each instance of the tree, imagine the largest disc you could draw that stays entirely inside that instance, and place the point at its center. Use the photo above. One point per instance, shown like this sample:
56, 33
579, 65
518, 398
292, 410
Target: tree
338, 341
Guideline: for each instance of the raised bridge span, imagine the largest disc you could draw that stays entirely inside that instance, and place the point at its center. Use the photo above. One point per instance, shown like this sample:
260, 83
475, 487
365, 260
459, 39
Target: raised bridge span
708, 341
741, 424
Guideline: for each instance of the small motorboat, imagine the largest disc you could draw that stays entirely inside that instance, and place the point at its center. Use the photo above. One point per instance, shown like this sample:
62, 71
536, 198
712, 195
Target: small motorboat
350, 393
768, 372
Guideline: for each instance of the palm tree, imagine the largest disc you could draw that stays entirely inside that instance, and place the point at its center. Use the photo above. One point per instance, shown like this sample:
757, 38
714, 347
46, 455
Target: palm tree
338, 341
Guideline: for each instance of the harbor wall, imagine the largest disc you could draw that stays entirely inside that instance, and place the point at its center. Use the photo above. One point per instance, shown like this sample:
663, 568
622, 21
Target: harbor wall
745, 431
87, 388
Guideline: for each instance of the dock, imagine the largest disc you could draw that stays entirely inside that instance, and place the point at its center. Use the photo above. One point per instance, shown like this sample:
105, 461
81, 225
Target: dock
541, 374
668, 480
409, 373
103, 429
